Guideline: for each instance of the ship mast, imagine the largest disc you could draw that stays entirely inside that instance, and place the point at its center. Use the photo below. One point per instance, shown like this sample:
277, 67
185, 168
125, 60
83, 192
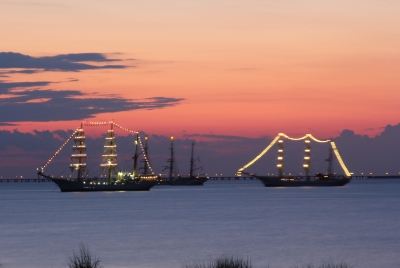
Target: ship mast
136, 156
280, 158
78, 156
110, 156
171, 160
146, 155
191, 162
307, 159
330, 158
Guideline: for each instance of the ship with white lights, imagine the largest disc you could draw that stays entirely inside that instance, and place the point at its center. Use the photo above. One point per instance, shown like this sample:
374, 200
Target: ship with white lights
319, 179
178, 180
116, 181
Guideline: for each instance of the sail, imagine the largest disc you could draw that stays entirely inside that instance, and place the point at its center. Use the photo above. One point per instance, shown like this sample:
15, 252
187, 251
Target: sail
78, 156
109, 157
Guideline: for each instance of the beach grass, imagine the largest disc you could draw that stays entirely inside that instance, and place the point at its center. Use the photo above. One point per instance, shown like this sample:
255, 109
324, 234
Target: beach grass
221, 262
236, 262
83, 259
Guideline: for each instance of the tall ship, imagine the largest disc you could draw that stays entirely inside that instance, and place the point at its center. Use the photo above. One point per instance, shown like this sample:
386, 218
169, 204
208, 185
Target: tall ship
115, 181
178, 180
319, 179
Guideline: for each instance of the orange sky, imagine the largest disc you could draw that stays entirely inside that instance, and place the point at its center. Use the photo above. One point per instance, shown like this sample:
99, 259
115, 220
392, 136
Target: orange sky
247, 68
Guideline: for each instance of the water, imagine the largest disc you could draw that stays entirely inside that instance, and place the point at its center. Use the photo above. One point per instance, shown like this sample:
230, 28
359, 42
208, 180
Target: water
168, 226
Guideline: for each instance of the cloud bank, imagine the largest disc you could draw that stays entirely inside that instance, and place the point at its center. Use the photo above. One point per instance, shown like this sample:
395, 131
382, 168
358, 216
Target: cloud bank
64, 62
24, 152
35, 101
30, 103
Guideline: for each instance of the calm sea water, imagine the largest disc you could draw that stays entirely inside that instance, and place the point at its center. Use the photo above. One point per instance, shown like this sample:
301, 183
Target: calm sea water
168, 226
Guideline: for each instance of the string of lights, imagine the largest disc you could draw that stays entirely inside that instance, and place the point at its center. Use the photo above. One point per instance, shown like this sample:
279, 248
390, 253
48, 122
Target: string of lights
145, 156
58, 151
239, 173
335, 150
140, 143
304, 137
96, 124
124, 128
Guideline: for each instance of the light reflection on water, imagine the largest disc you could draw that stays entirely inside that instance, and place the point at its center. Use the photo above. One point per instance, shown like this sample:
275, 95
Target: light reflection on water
281, 227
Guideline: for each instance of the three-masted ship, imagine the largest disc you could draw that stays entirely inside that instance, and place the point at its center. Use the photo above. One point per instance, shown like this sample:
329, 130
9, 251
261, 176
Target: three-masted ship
178, 180
319, 179
116, 181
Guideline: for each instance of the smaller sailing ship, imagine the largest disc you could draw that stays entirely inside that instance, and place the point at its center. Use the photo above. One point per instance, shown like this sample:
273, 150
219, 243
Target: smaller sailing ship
319, 179
116, 181
190, 180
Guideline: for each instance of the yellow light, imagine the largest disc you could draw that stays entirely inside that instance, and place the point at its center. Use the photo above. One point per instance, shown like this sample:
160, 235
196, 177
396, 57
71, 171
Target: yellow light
280, 157
260, 155
335, 150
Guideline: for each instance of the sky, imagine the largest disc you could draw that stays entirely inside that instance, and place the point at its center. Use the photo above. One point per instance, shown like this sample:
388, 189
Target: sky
247, 69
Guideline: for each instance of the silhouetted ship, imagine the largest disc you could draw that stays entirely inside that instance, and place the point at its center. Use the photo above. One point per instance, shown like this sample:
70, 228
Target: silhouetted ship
296, 181
121, 181
319, 179
190, 180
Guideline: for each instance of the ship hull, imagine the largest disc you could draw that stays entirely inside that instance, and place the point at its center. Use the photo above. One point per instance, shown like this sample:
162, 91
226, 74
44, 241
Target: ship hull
270, 181
91, 186
184, 181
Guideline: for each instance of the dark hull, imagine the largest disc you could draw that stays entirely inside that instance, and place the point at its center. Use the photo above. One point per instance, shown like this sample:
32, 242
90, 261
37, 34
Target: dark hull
184, 181
86, 186
270, 181
93, 185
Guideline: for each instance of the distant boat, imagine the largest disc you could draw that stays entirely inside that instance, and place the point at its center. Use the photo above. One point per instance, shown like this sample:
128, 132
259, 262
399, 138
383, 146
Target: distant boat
319, 179
121, 181
178, 180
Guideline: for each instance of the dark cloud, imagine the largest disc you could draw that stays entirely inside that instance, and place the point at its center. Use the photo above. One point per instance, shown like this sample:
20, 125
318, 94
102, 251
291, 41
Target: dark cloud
51, 105
28, 71
28, 101
64, 62
214, 136
5, 88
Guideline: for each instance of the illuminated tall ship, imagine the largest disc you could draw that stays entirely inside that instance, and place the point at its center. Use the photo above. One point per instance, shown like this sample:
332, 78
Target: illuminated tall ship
116, 181
319, 179
178, 180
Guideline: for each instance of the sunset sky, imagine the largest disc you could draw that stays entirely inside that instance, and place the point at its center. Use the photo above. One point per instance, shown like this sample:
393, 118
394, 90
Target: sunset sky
246, 68
234, 68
